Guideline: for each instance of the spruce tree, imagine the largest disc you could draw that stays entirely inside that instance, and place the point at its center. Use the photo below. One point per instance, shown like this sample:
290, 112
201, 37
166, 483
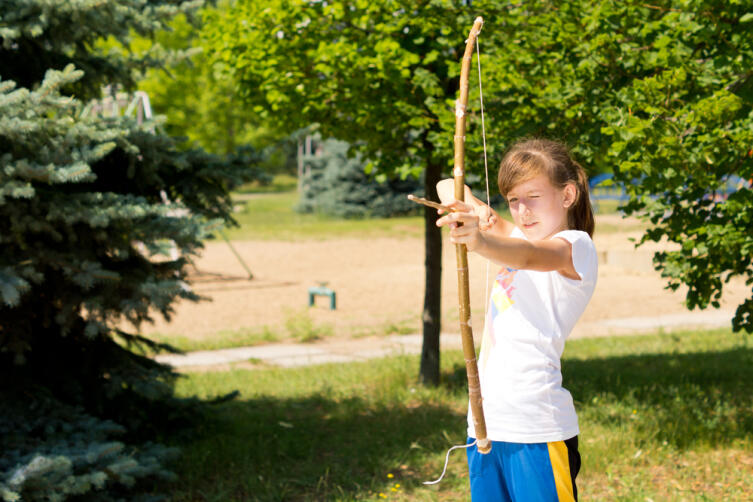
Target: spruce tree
90, 208
337, 185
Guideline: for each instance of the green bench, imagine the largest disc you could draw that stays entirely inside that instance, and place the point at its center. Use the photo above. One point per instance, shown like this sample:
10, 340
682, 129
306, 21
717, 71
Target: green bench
323, 290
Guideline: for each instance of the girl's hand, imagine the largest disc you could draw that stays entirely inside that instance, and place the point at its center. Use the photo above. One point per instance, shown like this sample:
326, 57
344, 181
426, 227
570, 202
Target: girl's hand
469, 233
446, 192
487, 218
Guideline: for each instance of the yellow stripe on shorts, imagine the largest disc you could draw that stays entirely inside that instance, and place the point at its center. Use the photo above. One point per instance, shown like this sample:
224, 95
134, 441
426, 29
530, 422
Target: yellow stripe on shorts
561, 469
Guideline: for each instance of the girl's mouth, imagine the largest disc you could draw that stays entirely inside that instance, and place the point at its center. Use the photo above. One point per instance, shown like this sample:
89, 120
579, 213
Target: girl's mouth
529, 225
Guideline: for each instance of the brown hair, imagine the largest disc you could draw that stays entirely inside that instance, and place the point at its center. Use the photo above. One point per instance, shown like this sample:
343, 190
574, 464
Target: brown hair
528, 158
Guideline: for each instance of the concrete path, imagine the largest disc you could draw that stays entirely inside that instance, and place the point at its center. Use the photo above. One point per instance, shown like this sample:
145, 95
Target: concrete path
291, 355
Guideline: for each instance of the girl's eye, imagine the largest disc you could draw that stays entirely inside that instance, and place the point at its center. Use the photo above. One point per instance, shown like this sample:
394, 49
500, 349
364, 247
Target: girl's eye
512, 200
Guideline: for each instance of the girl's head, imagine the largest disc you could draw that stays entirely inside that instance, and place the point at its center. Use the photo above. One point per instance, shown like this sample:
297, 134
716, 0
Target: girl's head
546, 189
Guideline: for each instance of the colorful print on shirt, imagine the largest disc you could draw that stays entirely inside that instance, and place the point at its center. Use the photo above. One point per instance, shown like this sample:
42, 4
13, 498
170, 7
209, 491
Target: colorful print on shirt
501, 300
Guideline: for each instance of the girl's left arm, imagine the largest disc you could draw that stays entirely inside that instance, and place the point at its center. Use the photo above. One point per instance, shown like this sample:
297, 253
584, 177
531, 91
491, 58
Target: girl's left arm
544, 255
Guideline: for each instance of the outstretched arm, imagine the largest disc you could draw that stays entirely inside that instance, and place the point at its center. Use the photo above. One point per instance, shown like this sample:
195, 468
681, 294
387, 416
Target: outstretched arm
543, 256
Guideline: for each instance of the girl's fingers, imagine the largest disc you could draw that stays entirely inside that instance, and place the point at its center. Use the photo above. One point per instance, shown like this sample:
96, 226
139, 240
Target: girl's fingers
486, 214
487, 224
463, 231
460, 206
462, 217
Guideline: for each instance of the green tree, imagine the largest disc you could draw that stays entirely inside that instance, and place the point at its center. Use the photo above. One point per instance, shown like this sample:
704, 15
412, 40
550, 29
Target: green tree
78, 192
200, 103
381, 75
337, 185
661, 94
679, 130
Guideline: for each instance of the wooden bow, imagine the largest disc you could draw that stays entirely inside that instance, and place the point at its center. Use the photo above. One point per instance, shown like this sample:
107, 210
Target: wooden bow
469, 351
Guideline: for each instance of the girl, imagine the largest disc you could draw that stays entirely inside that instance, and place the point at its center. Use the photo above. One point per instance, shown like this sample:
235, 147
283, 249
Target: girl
548, 274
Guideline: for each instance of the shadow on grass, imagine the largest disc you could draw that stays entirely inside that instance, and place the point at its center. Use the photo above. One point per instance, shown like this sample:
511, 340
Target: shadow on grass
684, 399
311, 449
321, 447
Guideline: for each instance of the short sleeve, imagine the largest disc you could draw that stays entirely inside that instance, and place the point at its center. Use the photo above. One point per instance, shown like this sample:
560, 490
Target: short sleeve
585, 259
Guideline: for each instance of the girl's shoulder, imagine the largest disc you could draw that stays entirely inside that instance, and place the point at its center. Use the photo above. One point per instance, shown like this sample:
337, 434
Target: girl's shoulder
584, 256
574, 235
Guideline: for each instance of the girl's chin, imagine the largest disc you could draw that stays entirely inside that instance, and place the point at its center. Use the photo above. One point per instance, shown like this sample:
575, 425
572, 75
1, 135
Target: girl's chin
532, 234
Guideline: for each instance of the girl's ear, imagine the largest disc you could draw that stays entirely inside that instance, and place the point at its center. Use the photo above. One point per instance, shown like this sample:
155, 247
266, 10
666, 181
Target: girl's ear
569, 194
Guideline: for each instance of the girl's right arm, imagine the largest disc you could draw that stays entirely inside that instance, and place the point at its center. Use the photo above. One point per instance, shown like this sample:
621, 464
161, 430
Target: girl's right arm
499, 226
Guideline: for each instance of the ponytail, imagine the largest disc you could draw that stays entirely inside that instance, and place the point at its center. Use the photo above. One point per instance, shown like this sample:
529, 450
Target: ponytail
581, 215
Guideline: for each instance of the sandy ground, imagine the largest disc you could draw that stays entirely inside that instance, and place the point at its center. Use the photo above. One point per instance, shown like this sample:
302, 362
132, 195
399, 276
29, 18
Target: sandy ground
380, 282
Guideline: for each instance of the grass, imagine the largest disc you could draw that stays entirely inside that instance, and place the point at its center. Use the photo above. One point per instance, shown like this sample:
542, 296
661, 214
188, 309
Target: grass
606, 206
406, 326
221, 340
271, 216
280, 183
302, 328
663, 417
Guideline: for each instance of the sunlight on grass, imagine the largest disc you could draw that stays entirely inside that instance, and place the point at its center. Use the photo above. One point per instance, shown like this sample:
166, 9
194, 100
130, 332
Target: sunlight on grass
221, 340
302, 327
663, 417
606, 206
270, 216
279, 183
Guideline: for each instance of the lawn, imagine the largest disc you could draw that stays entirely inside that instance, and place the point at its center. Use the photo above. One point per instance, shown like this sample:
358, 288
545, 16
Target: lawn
663, 417
271, 216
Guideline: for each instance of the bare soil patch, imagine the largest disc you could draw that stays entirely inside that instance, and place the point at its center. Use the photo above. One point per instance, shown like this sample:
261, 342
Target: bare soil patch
380, 284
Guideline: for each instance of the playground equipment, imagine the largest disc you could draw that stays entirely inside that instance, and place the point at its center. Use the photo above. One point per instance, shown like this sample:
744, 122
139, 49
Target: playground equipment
323, 290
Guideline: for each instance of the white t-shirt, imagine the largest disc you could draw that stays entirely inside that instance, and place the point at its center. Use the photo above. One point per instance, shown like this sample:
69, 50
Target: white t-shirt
529, 318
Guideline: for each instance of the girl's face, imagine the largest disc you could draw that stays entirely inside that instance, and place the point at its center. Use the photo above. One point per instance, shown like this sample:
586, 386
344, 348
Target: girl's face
539, 208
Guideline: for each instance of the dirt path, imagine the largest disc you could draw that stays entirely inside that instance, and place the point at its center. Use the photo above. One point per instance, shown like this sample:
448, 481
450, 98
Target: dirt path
379, 283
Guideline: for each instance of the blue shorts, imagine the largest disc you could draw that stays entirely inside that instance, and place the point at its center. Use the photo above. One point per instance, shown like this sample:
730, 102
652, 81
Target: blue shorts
525, 472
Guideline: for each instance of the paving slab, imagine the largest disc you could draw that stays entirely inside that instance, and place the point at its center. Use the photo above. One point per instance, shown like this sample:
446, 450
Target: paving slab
309, 360
293, 355
266, 353
446, 340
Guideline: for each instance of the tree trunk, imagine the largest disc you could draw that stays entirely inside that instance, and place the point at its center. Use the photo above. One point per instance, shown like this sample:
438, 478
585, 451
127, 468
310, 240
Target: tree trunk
429, 372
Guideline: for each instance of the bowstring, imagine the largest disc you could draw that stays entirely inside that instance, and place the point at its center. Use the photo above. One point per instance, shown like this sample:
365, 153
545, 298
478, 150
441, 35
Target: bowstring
486, 169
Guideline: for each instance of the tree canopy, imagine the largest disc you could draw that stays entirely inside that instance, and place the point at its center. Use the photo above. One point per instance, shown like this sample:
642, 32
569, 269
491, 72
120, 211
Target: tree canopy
380, 75
303, 63
660, 94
